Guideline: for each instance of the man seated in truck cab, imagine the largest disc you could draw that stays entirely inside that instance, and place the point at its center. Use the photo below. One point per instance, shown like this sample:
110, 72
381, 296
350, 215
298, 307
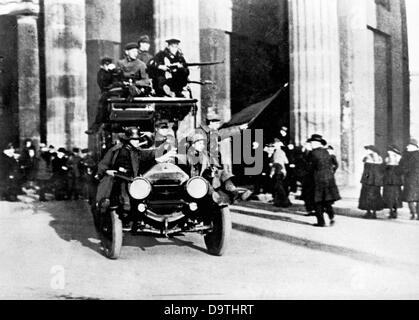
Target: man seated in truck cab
170, 70
202, 164
126, 158
164, 135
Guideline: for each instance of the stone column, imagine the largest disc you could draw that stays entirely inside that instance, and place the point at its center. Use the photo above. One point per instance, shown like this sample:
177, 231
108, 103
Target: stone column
216, 19
358, 88
413, 34
103, 38
28, 78
66, 79
180, 19
315, 70
215, 23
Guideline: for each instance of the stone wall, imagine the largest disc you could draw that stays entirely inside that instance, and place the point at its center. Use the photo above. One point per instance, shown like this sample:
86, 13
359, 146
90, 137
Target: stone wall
374, 100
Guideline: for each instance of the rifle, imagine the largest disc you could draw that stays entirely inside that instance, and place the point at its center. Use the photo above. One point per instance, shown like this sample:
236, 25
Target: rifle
198, 64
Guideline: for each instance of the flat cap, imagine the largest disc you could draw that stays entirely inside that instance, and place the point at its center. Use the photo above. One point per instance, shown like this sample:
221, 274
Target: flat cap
173, 40
131, 45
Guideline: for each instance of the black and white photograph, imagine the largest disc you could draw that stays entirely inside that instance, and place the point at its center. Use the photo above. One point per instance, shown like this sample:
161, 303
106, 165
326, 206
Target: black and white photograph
209, 150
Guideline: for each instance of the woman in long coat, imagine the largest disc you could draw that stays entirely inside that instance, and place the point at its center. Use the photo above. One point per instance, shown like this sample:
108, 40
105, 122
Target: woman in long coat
393, 181
409, 165
372, 180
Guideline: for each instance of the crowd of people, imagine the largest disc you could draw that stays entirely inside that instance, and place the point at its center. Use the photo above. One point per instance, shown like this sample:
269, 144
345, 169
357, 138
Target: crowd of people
312, 166
65, 175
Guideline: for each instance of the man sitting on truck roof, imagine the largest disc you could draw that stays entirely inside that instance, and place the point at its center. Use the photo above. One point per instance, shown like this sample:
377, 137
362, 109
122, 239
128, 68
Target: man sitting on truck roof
169, 70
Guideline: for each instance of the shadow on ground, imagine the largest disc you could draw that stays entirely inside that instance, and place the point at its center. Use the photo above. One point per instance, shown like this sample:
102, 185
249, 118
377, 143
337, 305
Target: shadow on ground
328, 248
72, 221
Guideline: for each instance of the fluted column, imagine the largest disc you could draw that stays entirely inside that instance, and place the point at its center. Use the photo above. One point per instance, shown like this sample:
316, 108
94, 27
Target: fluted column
315, 70
215, 23
28, 78
103, 38
66, 79
180, 19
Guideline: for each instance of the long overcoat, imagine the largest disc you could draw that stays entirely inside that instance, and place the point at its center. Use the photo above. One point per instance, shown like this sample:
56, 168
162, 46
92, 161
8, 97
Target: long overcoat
321, 165
107, 163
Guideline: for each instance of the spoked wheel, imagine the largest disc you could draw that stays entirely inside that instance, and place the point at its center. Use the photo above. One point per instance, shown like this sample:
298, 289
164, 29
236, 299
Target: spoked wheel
111, 234
216, 240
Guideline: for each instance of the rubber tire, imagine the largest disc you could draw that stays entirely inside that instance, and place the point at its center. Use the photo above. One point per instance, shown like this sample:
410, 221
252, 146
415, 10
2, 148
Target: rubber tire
95, 216
112, 248
217, 240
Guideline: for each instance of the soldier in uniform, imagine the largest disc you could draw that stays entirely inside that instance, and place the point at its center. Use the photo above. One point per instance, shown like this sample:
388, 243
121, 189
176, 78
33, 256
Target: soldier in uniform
126, 159
133, 71
170, 70
164, 135
325, 189
143, 50
218, 143
131, 67
202, 163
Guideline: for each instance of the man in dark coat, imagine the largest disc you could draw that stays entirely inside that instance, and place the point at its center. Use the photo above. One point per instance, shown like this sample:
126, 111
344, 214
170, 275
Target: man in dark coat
130, 67
409, 165
106, 80
170, 70
43, 171
60, 174
306, 177
75, 175
125, 159
9, 174
325, 189
27, 162
88, 168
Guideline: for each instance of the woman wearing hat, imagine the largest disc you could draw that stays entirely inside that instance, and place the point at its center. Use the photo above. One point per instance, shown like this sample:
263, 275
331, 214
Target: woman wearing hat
392, 191
409, 165
372, 181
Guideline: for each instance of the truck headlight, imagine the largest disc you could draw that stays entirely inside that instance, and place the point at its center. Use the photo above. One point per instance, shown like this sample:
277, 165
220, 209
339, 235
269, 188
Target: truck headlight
140, 189
197, 187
